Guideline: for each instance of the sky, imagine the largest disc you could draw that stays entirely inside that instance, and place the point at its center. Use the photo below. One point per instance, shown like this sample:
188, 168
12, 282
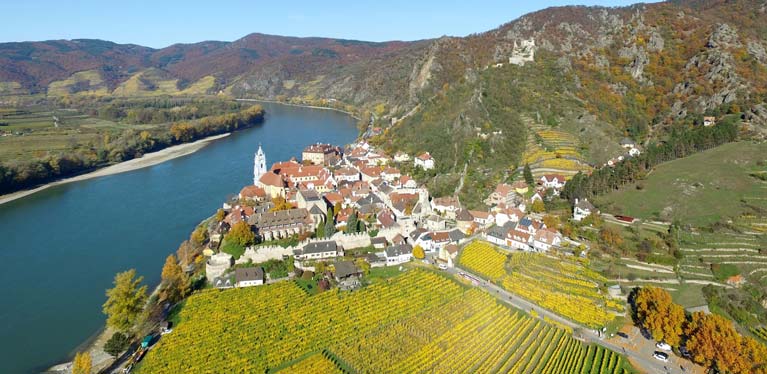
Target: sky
160, 23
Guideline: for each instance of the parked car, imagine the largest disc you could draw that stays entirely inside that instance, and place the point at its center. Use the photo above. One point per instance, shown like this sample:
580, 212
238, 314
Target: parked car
623, 335
663, 346
660, 356
442, 267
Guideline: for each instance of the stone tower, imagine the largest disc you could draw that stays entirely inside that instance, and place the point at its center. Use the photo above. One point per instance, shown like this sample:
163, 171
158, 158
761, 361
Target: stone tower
259, 165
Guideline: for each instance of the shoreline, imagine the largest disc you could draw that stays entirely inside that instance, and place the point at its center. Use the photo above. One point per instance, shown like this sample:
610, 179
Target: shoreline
149, 159
350, 114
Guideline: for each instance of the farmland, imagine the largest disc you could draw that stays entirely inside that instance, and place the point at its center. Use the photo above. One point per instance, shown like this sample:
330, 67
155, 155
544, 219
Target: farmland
563, 285
704, 188
416, 322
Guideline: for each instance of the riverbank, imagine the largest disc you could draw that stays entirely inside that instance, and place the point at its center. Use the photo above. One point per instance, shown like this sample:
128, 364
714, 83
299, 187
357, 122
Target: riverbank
147, 160
350, 114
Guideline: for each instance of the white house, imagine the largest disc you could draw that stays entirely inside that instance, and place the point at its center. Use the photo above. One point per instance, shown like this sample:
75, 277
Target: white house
398, 254
424, 161
555, 181
433, 241
401, 157
483, 219
248, 277
447, 205
390, 174
543, 240
582, 209
519, 240
318, 251
497, 235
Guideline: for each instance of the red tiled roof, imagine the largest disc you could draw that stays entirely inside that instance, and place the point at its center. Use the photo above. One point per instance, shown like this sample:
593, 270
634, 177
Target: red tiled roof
271, 179
252, 191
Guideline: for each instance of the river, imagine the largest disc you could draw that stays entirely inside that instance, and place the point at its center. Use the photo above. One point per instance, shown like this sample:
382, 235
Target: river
62, 246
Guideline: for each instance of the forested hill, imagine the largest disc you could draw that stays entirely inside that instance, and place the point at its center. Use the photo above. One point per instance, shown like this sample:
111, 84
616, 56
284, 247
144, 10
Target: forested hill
598, 74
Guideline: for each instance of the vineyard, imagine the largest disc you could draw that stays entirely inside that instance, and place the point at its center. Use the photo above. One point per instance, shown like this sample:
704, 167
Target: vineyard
417, 322
553, 149
565, 286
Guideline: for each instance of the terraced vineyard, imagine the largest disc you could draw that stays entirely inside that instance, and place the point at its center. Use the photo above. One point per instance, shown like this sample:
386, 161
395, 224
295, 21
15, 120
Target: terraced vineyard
553, 149
417, 322
565, 286
741, 250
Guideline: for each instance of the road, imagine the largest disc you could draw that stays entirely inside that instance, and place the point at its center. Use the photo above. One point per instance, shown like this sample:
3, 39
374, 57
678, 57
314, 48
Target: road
638, 357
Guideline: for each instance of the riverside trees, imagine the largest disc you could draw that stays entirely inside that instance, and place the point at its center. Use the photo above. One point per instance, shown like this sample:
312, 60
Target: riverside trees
125, 301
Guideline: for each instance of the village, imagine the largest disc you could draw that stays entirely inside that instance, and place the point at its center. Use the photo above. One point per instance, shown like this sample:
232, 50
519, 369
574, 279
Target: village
341, 211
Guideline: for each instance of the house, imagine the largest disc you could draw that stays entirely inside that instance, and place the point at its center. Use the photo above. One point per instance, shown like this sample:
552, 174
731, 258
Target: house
386, 219
390, 174
348, 174
538, 195
519, 240
273, 185
555, 181
319, 251
435, 222
406, 181
320, 154
482, 219
529, 225
247, 277
424, 161
503, 194
401, 157
398, 254
345, 270
520, 187
543, 240
627, 143
447, 205
370, 173
433, 241
502, 216
448, 254
709, 121
464, 221
252, 193
497, 234
282, 224
582, 209
379, 242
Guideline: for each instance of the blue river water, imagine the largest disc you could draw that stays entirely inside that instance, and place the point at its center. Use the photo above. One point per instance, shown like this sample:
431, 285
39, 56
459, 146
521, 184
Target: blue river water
60, 248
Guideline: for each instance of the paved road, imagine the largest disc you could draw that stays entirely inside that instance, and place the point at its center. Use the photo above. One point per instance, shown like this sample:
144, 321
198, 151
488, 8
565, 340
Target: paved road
644, 359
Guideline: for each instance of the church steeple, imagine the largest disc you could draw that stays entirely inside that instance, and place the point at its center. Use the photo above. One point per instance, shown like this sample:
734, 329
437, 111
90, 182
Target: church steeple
259, 165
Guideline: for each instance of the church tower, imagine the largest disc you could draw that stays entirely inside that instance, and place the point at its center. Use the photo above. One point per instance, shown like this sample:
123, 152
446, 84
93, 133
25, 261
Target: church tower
259, 165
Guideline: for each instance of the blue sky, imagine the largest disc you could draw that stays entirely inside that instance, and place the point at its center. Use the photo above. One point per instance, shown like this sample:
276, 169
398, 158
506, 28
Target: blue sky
160, 23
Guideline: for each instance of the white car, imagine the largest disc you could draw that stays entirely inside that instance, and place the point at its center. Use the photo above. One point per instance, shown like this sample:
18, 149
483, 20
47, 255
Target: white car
442, 267
663, 346
660, 356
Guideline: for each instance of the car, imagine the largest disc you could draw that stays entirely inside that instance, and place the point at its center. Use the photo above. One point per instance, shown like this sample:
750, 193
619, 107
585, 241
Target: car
660, 356
442, 267
663, 346
623, 335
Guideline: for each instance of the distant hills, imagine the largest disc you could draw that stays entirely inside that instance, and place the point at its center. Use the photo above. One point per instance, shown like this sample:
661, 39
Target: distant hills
599, 74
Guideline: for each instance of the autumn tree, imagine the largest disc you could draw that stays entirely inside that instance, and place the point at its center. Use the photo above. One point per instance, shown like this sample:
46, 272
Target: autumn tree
240, 234
528, 175
125, 301
659, 315
713, 342
610, 236
199, 235
538, 206
363, 265
175, 282
418, 252
220, 214
280, 204
551, 221
82, 363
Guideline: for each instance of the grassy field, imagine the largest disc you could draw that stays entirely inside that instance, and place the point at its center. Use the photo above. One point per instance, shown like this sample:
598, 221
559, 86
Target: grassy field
704, 188
417, 322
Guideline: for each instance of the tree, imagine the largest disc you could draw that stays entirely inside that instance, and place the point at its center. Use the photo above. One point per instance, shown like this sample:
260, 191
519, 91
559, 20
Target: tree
330, 225
175, 282
363, 265
528, 174
418, 252
117, 344
713, 341
610, 236
280, 204
551, 221
240, 234
220, 214
659, 315
351, 225
199, 235
538, 206
125, 301
82, 363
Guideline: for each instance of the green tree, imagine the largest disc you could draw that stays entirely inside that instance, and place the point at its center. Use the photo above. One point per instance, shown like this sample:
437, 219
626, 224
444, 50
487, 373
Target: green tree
418, 252
117, 344
528, 174
241, 234
330, 225
82, 363
125, 302
175, 282
352, 224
